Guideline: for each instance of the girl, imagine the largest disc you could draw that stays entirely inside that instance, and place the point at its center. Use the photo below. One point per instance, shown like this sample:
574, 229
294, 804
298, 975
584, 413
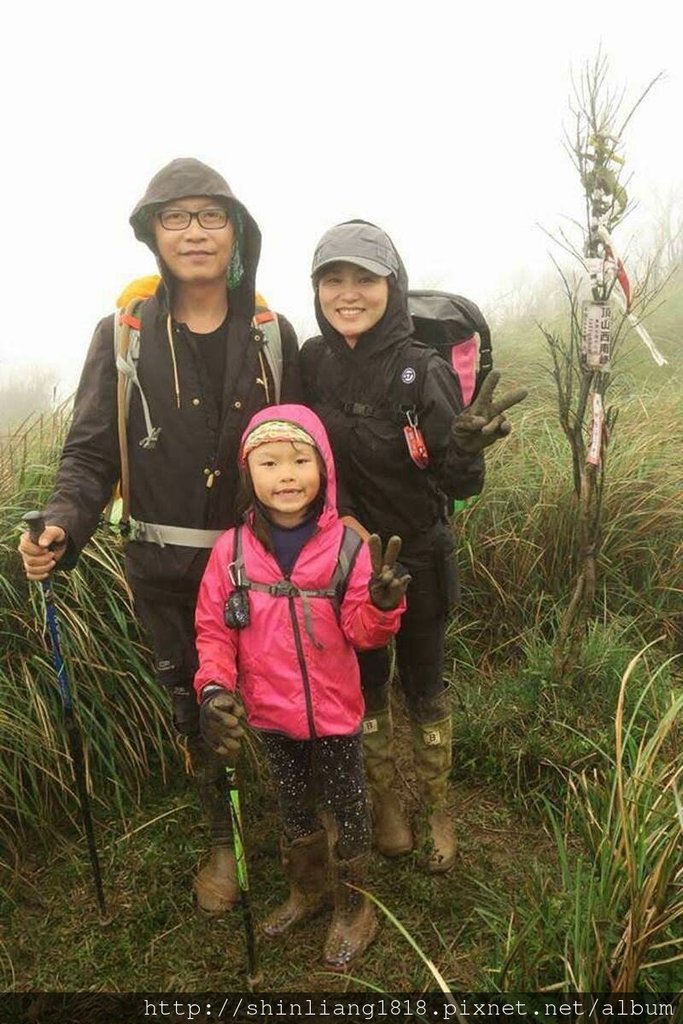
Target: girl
403, 446
277, 620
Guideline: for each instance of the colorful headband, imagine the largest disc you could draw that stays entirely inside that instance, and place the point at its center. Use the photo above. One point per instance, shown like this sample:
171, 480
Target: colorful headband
274, 430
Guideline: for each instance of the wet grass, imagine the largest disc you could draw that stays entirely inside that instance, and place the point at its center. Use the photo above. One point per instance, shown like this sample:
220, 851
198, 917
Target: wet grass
157, 942
552, 821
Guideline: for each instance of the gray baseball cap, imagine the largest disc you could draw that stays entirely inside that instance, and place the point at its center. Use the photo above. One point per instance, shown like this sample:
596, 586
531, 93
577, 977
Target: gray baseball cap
360, 243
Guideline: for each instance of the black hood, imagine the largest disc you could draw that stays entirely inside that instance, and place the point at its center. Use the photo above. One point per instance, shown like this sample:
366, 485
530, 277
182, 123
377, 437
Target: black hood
189, 177
396, 324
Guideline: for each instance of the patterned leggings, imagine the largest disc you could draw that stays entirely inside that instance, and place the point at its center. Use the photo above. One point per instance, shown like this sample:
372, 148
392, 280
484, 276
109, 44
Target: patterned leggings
322, 773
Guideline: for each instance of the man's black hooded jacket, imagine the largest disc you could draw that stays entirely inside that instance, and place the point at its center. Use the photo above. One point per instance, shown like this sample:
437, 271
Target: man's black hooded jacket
169, 481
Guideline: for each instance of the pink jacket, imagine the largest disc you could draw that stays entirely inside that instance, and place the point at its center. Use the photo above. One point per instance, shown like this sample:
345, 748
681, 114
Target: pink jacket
288, 683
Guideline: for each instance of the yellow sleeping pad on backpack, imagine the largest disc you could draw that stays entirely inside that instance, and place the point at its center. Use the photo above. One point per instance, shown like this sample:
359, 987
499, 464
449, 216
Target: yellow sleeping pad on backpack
144, 287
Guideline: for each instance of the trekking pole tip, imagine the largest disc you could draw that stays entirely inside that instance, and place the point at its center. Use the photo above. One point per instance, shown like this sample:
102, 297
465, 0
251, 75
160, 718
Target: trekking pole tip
106, 920
254, 981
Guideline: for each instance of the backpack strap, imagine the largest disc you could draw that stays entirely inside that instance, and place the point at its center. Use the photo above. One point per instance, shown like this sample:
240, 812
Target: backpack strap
161, 534
404, 394
236, 567
127, 325
346, 559
389, 411
126, 354
349, 548
266, 329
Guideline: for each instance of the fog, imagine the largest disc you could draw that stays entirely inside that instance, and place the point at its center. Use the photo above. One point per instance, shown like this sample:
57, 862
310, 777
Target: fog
441, 122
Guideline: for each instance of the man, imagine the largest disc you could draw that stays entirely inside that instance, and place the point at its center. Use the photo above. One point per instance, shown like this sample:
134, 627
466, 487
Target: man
203, 371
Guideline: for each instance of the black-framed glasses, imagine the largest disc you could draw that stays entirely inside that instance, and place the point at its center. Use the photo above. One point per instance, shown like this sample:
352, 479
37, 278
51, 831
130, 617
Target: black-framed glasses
213, 218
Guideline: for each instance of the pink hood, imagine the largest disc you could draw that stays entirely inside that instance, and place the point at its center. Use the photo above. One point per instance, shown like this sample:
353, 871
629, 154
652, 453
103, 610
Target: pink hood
304, 417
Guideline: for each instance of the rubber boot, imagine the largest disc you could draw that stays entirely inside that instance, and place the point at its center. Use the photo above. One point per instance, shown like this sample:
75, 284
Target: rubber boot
391, 832
433, 750
216, 888
354, 922
306, 866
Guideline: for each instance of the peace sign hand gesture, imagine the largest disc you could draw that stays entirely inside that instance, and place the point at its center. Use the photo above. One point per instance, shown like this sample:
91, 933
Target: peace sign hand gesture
386, 588
484, 422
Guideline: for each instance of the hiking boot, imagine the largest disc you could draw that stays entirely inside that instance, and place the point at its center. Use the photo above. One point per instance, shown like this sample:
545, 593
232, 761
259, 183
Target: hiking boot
215, 887
433, 746
441, 843
305, 863
354, 922
391, 832
392, 835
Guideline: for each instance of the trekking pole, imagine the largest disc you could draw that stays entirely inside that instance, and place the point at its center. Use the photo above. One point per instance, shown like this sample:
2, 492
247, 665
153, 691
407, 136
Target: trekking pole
254, 976
36, 524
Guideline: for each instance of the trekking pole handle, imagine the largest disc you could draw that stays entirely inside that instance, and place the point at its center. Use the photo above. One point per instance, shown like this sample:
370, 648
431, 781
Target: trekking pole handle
36, 525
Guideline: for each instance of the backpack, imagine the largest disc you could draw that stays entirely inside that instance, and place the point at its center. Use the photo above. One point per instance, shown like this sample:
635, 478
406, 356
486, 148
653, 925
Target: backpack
236, 610
265, 331
454, 328
457, 329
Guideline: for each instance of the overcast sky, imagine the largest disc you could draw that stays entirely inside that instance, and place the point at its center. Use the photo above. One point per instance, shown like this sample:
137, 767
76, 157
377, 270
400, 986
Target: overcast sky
441, 122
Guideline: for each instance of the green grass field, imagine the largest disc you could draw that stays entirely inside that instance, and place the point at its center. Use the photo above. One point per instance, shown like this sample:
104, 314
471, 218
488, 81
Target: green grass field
565, 794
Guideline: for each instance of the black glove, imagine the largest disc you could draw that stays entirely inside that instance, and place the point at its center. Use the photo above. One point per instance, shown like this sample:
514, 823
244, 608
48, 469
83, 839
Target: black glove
220, 715
484, 422
386, 588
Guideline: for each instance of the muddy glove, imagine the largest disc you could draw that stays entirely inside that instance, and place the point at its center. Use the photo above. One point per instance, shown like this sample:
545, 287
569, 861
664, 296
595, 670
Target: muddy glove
386, 587
484, 422
220, 721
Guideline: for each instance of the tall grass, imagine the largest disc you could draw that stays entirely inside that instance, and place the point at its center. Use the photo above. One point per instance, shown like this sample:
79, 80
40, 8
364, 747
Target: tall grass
516, 560
525, 733
121, 713
611, 919
514, 728
518, 542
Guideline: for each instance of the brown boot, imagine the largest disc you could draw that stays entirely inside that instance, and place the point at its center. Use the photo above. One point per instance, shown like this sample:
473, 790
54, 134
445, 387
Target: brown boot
391, 832
215, 887
305, 863
433, 746
354, 922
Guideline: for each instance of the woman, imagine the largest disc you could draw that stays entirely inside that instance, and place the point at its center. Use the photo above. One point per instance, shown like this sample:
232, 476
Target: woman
404, 447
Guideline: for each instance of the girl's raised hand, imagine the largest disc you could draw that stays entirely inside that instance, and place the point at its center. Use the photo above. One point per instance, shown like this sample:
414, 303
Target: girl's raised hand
386, 587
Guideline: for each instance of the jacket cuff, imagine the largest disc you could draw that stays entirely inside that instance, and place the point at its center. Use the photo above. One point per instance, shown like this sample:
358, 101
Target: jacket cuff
209, 689
387, 617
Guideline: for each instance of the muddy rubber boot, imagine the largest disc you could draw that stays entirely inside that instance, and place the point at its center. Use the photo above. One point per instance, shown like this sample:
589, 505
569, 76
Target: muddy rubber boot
391, 832
215, 888
354, 922
433, 749
306, 866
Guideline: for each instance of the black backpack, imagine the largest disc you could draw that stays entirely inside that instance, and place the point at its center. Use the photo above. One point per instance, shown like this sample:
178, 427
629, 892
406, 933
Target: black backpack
457, 329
